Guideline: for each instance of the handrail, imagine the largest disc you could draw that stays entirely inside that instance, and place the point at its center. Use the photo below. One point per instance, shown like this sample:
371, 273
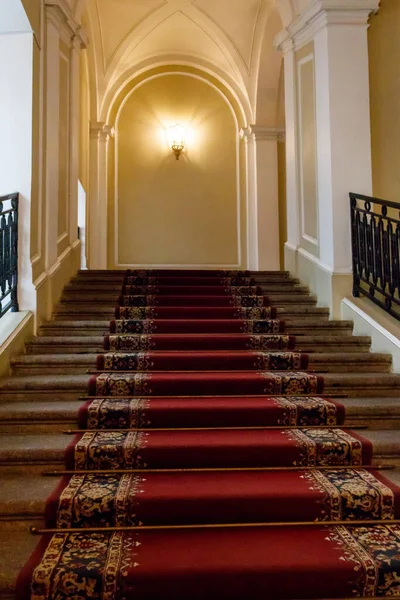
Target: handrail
375, 240
8, 253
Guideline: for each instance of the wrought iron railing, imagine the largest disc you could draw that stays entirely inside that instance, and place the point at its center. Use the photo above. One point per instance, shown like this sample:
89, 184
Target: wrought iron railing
8, 253
375, 231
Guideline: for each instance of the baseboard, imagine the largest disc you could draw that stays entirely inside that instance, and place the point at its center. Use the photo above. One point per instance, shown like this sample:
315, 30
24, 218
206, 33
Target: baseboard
330, 287
15, 330
50, 284
371, 320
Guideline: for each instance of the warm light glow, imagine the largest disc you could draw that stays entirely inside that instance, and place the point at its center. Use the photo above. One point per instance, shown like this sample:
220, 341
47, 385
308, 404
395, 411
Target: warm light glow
177, 138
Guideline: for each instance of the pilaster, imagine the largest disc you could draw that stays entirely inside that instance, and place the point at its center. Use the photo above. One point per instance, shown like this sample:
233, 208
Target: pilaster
251, 199
53, 19
100, 134
337, 32
60, 25
262, 196
74, 132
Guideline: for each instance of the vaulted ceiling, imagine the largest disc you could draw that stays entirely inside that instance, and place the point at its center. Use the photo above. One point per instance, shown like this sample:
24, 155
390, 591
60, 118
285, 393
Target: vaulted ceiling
231, 39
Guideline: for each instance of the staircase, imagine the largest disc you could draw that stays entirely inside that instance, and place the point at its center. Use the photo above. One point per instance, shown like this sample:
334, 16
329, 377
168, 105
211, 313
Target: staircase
49, 384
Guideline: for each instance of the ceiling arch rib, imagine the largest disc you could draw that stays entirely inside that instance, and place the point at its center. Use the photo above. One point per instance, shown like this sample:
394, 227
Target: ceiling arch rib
239, 31
266, 92
179, 34
231, 39
116, 95
197, 32
123, 21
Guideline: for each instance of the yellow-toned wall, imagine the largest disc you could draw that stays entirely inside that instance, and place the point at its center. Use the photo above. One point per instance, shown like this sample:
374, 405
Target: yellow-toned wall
280, 121
34, 13
49, 279
384, 60
307, 149
64, 149
84, 121
175, 212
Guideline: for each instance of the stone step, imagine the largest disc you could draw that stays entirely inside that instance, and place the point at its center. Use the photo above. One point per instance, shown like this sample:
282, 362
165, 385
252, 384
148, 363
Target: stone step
73, 292
308, 311
32, 453
23, 499
109, 273
56, 416
13, 557
106, 277
77, 300
99, 286
37, 364
68, 387
34, 416
95, 344
72, 327
71, 344
296, 326
43, 387
309, 318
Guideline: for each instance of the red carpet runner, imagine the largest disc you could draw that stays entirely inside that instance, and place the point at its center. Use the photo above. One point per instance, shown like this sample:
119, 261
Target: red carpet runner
206, 432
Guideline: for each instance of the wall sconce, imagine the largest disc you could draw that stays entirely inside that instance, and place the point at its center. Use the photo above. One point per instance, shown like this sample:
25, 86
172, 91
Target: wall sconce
177, 135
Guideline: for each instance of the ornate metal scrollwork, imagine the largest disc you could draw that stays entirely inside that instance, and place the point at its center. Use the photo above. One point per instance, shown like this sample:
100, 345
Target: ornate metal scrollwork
8, 253
375, 239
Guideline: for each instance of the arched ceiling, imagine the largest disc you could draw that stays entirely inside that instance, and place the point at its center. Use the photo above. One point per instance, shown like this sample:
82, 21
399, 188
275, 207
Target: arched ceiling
232, 39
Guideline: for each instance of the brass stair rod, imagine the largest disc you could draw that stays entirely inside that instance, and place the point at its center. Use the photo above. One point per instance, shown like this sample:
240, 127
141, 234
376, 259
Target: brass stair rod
197, 397
241, 428
349, 523
163, 371
217, 470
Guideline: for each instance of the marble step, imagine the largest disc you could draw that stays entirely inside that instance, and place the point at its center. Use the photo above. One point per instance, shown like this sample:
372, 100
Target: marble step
115, 273
291, 315
23, 499
307, 323
69, 387
74, 293
55, 416
32, 453
94, 344
90, 285
37, 364
22, 547
77, 299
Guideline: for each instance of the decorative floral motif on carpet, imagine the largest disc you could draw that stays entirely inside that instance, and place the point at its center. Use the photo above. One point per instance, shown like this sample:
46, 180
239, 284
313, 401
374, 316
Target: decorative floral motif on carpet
141, 343
352, 494
327, 447
113, 560
153, 361
146, 384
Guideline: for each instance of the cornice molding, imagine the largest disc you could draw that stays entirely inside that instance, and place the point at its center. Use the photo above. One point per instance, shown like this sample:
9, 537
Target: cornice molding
59, 13
261, 133
100, 131
322, 13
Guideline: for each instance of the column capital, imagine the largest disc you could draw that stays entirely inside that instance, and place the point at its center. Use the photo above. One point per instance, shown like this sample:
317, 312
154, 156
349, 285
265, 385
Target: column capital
246, 135
262, 133
321, 13
59, 13
80, 39
101, 131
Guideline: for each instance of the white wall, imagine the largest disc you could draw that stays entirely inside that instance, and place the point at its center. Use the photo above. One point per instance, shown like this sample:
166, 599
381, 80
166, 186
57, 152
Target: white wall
16, 67
82, 222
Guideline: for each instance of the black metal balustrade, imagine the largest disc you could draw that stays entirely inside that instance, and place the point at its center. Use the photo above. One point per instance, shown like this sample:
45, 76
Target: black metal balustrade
8, 253
375, 236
